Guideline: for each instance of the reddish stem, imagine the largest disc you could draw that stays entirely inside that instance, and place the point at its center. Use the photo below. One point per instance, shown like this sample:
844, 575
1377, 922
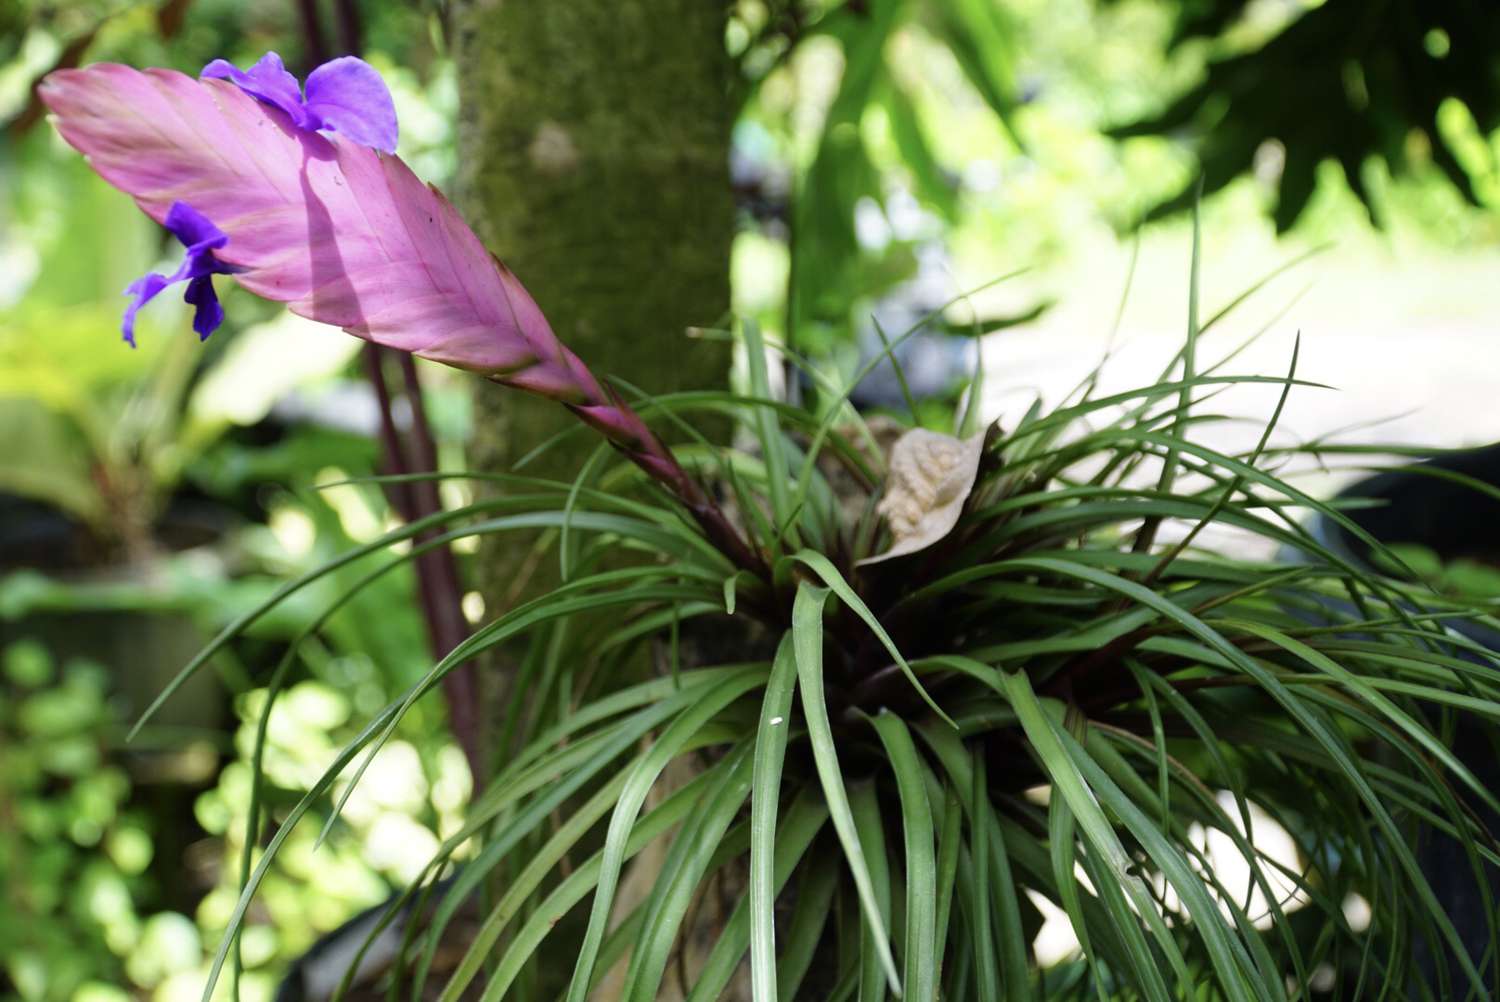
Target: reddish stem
438, 589
438, 574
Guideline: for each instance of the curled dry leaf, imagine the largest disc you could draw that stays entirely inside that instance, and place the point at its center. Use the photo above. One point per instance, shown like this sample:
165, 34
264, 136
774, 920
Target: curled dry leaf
931, 475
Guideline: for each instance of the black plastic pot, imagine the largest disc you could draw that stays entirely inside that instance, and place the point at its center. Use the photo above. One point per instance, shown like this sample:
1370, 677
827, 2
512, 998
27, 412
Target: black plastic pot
316, 975
143, 649
1455, 521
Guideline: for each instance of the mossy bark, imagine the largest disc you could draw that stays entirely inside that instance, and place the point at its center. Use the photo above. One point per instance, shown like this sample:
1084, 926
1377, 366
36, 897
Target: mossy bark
593, 151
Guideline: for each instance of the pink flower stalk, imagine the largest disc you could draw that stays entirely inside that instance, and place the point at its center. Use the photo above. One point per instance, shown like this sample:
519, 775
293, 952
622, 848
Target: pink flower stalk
344, 235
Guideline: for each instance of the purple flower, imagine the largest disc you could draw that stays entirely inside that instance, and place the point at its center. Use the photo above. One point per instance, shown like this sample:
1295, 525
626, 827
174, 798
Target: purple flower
344, 95
202, 238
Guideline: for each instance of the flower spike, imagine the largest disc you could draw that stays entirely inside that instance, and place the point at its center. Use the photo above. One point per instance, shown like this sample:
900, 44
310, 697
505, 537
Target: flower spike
342, 234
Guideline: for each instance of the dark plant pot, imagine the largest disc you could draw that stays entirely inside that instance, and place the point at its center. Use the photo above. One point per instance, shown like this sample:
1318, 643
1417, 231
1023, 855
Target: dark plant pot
1454, 520
317, 974
143, 648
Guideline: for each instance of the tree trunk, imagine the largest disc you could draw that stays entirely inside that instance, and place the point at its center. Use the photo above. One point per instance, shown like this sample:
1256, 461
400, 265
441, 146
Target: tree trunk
593, 151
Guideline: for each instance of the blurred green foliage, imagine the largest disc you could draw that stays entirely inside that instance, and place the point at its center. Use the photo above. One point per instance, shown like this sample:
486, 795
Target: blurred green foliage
118, 863
832, 269
76, 843
993, 131
73, 852
413, 795
78, 406
1405, 88
1465, 577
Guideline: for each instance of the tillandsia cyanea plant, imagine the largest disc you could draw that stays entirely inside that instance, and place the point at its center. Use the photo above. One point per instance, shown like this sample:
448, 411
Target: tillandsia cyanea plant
842, 776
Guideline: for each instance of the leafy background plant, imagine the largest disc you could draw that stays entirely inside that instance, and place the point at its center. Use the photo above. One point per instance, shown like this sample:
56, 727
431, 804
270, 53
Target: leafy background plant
876, 145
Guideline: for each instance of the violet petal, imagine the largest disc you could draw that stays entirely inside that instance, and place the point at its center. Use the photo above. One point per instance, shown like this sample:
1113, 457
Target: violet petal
268, 80
347, 96
142, 291
193, 229
207, 313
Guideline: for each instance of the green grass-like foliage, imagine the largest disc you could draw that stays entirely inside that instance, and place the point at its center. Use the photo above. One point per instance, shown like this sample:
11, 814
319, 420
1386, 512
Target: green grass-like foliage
850, 747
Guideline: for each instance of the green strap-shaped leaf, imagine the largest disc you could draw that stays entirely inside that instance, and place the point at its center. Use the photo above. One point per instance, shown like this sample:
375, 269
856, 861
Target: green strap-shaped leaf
1125, 885
578, 883
987, 974
950, 842
1062, 847
537, 867
559, 604
699, 838
566, 780
765, 796
921, 961
869, 825
1237, 971
814, 904
768, 433
801, 823
1310, 722
632, 797
807, 641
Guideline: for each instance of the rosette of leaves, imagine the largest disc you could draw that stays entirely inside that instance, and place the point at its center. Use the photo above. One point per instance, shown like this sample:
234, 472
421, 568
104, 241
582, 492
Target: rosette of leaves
823, 781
